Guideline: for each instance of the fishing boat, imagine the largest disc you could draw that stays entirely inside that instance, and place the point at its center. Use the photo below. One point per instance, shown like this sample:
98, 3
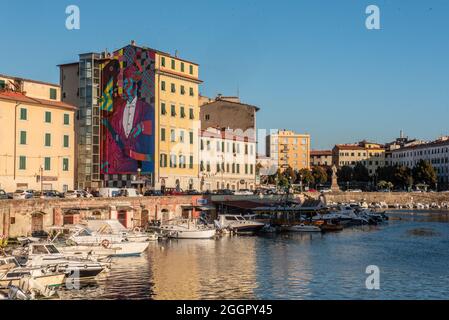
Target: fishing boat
238, 223
11, 274
112, 229
187, 229
303, 228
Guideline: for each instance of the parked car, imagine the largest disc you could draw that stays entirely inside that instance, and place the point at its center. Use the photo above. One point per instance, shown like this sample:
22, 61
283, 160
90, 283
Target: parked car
243, 192
174, 192
225, 192
325, 190
153, 193
109, 192
23, 194
193, 192
46, 195
129, 192
3, 195
72, 194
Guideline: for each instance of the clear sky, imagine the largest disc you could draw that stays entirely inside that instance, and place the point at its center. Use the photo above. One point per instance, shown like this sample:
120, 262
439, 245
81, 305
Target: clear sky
310, 65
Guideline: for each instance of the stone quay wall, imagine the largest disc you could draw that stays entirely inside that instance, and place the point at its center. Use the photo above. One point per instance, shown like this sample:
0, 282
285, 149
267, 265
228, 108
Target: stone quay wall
23, 217
390, 198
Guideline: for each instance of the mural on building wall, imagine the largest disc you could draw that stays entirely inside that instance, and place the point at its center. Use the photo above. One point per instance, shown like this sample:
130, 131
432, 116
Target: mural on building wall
127, 106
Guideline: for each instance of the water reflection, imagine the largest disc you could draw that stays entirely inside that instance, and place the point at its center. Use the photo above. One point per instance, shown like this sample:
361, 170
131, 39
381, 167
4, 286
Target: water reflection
288, 266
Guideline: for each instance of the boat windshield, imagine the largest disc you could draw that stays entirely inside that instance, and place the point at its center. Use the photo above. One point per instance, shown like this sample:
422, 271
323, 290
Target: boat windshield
9, 261
52, 249
84, 233
39, 249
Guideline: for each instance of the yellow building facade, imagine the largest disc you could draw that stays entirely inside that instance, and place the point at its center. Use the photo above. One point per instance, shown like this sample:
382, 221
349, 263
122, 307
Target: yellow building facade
177, 118
37, 130
289, 149
371, 155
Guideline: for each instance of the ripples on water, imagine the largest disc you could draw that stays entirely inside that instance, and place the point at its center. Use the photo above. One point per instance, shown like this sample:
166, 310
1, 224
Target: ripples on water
288, 266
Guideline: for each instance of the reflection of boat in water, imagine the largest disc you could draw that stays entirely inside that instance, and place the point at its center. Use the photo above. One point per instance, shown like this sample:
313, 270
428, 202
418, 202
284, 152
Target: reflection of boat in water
238, 223
329, 227
303, 228
186, 229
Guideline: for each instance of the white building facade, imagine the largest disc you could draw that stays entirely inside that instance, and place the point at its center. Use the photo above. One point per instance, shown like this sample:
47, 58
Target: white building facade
227, 160
435, 152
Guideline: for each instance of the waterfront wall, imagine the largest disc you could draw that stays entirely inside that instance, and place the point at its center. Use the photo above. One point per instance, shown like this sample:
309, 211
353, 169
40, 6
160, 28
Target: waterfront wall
390, 198
22, 217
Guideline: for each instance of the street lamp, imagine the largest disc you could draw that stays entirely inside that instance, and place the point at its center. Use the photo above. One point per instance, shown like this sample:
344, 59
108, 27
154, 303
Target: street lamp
139, 171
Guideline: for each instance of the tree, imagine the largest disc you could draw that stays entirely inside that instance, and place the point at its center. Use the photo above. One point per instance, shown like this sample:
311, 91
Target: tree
402, 176
319, 175
290, 174
423, 172
345, 174
385, 185
307, 177
361, 173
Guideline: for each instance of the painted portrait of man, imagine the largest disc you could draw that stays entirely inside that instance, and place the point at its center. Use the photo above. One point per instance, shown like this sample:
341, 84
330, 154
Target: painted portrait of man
128, 112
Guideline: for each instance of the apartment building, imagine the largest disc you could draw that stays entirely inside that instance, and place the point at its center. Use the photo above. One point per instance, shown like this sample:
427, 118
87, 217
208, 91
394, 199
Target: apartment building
371, 155
38, 134
139, 110
435, 152
321, 157
289, 149
227, 160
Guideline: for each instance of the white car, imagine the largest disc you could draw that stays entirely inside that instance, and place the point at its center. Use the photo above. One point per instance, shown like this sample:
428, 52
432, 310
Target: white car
325, 190
23, 194
243, 192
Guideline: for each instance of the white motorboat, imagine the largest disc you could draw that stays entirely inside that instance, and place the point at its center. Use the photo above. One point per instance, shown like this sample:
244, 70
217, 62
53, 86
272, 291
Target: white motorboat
11, 274
187, 229
113, 228
103, 244
238, 223
303, 228
47, 255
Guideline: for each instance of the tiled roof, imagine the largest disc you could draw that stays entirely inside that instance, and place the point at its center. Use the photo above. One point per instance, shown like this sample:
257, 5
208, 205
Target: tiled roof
19, 97
321, 152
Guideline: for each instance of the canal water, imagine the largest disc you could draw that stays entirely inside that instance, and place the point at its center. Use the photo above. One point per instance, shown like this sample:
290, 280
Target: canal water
411, 252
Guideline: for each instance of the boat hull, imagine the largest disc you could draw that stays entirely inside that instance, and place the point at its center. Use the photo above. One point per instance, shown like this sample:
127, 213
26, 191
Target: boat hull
193, 234
54, 280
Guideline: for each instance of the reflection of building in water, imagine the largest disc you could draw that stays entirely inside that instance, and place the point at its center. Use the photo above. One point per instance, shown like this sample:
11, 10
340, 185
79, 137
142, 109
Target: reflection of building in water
293, 264
195, 269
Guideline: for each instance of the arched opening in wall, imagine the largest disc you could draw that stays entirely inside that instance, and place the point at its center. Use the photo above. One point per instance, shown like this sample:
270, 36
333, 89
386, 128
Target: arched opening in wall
122, 217
222, 185
228, 186
178, 185
218, 185
96, 215
37, 223
144, 218
165, 215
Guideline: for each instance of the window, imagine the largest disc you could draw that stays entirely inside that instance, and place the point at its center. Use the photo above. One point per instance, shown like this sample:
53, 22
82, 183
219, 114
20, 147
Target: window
208, 166
173, 161
183, 90
23, 114
173, 110
191, 137
2, 84
163, 109
183, 112
172, 135
163, 61
173, 64
162, 134
191, 115
207, 117
22, 163
66, 141
163, 160
66, 119
173, 88
182, 161
53, 94
246, 149
246, 168
47, 139
202, 165
163, 85
238, 168
47, 116
191, 69
191, 162
251, 167
47, 164
23, 137
191, 93
181, 136
65, 164
182, 66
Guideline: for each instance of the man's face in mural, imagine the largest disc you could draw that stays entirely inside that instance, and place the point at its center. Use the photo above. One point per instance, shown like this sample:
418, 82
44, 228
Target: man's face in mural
131, 78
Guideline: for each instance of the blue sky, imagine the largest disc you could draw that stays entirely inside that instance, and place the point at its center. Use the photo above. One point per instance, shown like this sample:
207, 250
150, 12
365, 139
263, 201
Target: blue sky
311, 66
